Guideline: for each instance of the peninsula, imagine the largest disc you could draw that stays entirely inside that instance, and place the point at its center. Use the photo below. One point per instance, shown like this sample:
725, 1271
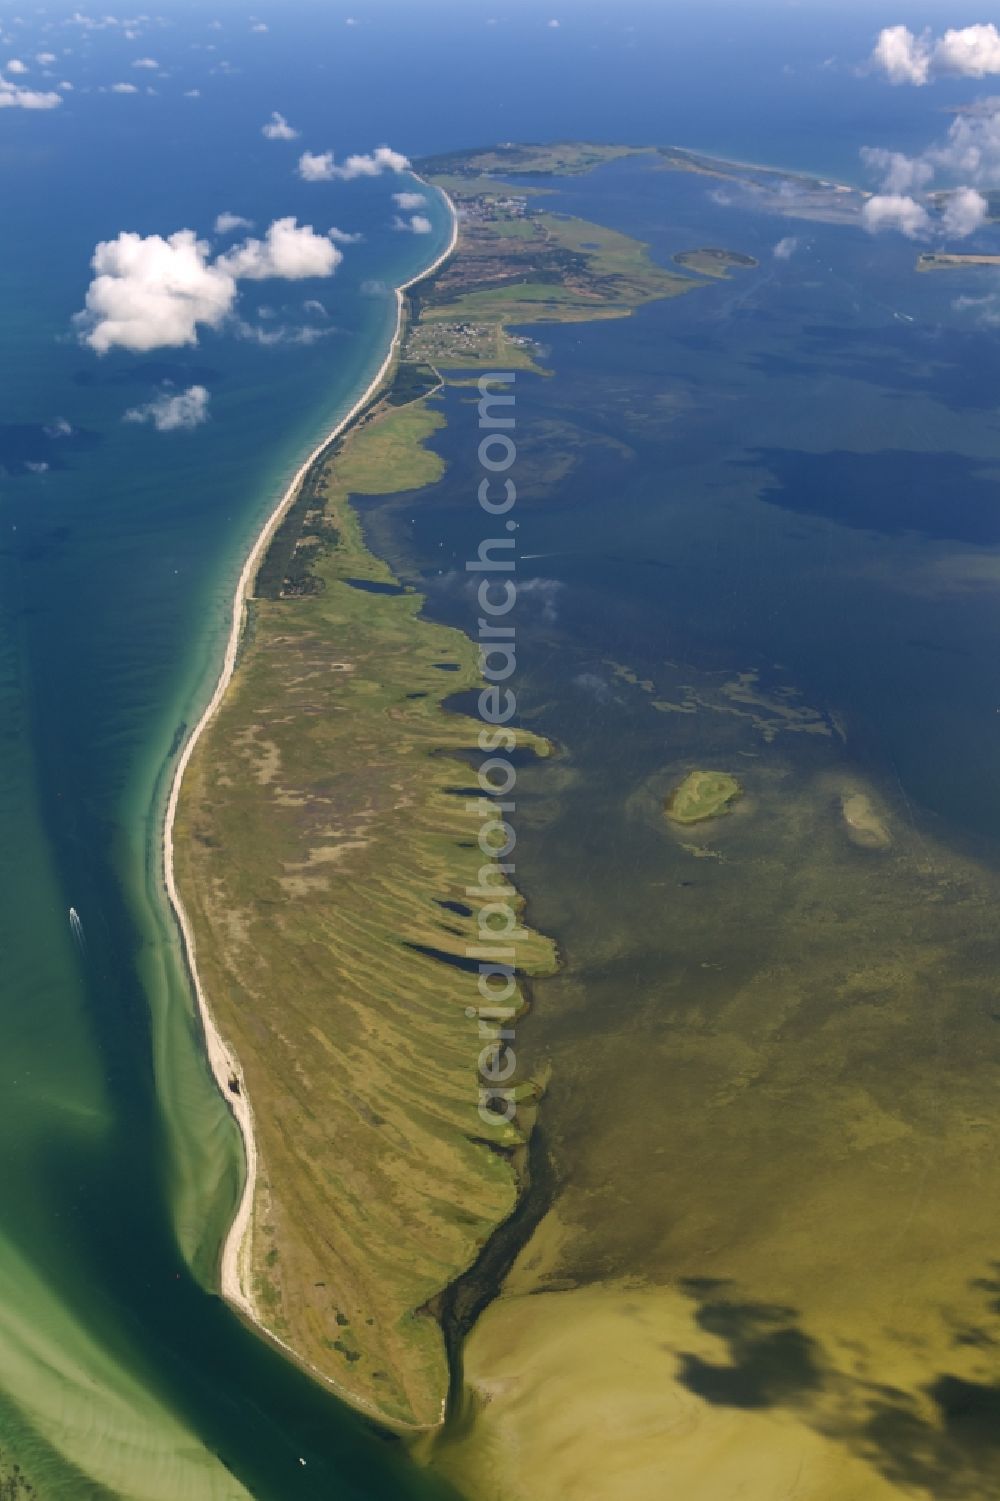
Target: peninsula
320, 862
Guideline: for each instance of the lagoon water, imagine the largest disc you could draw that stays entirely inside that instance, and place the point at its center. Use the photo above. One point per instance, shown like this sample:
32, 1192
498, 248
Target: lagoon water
758, 529
788, 470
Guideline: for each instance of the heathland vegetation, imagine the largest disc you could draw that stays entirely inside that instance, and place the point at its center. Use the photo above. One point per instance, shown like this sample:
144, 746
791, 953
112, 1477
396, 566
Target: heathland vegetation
324, 855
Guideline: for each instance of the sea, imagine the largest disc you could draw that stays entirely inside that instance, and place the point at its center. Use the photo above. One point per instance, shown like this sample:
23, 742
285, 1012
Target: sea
793, 477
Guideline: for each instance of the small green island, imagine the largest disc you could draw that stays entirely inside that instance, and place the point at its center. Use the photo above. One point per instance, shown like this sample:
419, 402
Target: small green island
702, 795
710, 261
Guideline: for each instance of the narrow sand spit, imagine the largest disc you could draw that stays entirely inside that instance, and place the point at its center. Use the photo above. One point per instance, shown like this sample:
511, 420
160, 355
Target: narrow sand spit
235, 1264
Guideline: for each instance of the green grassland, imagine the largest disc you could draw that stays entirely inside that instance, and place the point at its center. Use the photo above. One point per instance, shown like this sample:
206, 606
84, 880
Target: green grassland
514, 229
609, 254
459, 185
528, 302
563, 159
323, 824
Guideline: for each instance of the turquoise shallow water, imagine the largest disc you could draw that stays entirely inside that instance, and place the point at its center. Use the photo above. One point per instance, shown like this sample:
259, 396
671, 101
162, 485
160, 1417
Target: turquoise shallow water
120, 1372
125, 1373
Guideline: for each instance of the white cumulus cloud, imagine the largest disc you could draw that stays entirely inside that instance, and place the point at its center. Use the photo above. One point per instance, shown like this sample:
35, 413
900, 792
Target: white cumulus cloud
972, 148
289, 250
282, 334
406, 201
92, 23
972, 52
965, 211
896, 211
382, 159
146, 62
903, 57
227, 222
986, 309
964, 52
417, 224
124, 88
899, 173
13, 96
278, 129
962, 167
786, 248
968, 155
151, 292
316, 166
323, 167
171, 413
16, 66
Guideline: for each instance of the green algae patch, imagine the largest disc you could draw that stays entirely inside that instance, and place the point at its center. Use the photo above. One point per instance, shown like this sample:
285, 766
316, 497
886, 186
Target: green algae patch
783, 1143
702, 795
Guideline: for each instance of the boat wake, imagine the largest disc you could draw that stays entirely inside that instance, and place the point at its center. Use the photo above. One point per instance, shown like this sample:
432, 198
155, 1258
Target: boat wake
76, 927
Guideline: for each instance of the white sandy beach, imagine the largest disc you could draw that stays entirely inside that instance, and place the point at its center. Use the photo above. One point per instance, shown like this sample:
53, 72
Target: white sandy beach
234, 1270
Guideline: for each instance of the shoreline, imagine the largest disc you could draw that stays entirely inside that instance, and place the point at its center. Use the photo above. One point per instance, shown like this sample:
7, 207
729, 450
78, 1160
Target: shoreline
222, 1059
799, 173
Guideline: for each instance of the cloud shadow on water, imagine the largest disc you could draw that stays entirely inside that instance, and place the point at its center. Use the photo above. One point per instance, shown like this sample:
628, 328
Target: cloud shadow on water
940, 1438
30, 448
946, 496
